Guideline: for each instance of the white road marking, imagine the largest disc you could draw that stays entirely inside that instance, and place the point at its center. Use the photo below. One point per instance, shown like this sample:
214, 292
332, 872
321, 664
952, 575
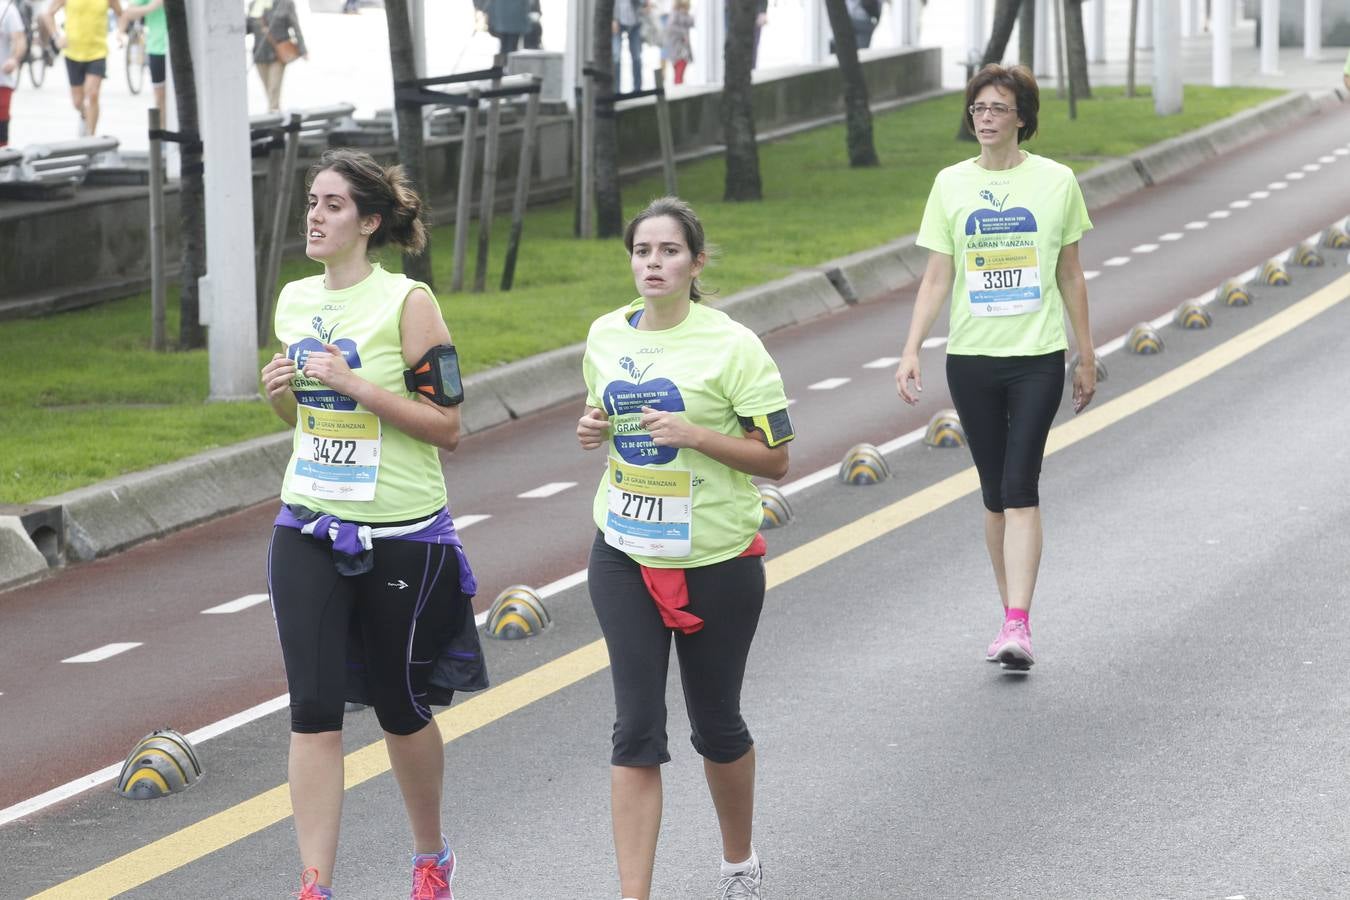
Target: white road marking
1293, 176
1324, 160
791, 400
1311, 167
1220, 214
828, 384
1144, 248
1171, 236
1341, 151
235, 606
547, 490
101, 653
1196, 226
1117, 261
1259, 195
462, 522
882, 362
1278, 185
1089, 274
1240, 204
930, 343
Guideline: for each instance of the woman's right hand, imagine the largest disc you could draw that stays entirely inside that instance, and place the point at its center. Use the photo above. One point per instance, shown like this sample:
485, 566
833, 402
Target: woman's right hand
907, 371
277, 375
593, 429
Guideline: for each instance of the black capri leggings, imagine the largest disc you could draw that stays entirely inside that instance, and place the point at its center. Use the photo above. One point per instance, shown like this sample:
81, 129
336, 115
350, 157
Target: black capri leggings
1006, 405
400, 614
728, 597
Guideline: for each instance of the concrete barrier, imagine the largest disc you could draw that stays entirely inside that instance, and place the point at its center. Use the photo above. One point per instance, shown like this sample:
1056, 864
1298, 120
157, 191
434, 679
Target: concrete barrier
20, 561
873, 273
539, 382
797, 298
1109, 182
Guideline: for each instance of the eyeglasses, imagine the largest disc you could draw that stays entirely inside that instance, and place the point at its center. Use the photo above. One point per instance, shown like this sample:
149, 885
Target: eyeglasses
998, 110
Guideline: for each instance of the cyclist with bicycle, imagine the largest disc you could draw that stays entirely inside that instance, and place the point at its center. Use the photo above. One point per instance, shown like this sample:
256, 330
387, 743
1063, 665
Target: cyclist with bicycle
13, 49
85, 41
149, 45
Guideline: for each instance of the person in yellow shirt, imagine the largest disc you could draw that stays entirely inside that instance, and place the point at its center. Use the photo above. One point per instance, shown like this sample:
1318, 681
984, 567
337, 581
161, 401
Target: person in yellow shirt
85, 42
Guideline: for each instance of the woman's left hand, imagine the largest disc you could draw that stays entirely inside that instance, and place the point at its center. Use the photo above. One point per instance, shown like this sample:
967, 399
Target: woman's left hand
668, 429
330, 368
1084, 384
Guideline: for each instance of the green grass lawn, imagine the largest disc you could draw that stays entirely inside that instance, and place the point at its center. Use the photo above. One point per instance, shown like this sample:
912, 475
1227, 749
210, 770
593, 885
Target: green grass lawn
84, 398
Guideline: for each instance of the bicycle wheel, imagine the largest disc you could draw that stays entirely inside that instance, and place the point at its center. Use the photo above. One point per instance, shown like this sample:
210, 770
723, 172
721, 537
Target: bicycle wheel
136, 61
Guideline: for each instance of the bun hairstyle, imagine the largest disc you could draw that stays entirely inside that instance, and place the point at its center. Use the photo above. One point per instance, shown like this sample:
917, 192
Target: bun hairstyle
377, 190
1016, 80
682, 213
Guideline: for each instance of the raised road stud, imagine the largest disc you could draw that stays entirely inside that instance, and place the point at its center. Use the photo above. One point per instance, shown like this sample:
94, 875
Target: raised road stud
1233, 293
517, 613
1073, 364
1336, 237
1273, 273
777, 511
161, 763
1307, 255
1192, 316
864, 464
1144, 340
944, 430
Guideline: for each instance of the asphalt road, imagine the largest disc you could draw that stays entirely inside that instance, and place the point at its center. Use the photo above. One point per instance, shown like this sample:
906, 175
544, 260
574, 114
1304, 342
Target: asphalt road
1187, 725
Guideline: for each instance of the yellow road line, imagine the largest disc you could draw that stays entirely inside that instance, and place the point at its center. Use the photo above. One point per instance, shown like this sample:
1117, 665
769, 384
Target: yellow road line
253, 815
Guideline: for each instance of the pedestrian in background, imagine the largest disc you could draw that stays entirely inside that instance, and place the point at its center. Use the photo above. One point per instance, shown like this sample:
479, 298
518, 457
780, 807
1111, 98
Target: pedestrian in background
627, 23
13, 48
369, 583
1345, 77
1002, 232
85, 42
679, 50
508, 22
688, 406
151, 12
277, 42
864, 15
534, 35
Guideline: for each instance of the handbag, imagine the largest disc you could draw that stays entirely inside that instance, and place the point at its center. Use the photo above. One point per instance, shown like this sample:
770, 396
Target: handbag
287, 51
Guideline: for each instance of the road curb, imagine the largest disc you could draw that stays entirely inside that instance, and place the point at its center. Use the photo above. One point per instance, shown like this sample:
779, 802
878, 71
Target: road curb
113, 515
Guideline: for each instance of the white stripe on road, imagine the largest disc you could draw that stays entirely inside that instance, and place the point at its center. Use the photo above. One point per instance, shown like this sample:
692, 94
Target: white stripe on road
1240, 204
882, 362
1326, 159
1144, 248
462, 522
1220, 214
1117, 261
547, 490
235, 606
101, 653
1293, 176
1089, 274
1196, 226
1278, 185
1341, 151
1259, 195
828, 384
1311, 167
1171, 236
930, 343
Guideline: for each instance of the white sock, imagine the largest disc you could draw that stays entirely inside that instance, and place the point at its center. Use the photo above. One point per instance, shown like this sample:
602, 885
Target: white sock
741, 868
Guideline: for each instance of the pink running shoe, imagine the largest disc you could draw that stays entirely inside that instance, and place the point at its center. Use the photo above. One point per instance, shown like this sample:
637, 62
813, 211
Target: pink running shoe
309, 887
432, 873
1012, 647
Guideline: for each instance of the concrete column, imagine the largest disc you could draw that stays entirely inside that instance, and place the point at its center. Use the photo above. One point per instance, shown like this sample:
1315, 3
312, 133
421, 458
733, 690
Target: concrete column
903, 17
1270, 37
1167, 90
1145, 32
578, 47
1188, 8
1043, 63
815, 24
1094, 15
1312, 29
417, 22
976, 35
1221, 28
227, 290
712, 24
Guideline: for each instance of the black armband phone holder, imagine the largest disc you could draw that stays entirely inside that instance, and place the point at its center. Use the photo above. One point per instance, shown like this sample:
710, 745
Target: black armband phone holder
436, 376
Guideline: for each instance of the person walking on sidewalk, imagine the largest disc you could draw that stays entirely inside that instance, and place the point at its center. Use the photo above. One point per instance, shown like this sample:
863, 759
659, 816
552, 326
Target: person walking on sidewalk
369, 582
85, 42
1002, 231
277, 42
13, 48
688, 406
679, 50
156, 45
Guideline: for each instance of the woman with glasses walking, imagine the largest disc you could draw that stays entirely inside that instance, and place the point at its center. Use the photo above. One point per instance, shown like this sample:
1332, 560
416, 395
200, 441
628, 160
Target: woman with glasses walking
1002, 232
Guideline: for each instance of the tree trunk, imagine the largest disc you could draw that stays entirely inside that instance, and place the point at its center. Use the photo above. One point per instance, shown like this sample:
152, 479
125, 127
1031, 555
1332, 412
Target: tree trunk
1026, 35
1076, 48
192, 191
1005, 17
1129, 65
412, 150
608, 200
857, 112
738, 108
